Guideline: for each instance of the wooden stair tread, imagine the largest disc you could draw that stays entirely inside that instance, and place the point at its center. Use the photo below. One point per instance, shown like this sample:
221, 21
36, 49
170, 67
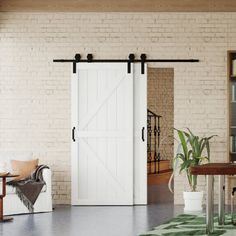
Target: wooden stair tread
164, 165
163, 172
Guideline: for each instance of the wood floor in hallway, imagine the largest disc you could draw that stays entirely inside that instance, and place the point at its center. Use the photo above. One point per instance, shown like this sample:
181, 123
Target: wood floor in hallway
160, 194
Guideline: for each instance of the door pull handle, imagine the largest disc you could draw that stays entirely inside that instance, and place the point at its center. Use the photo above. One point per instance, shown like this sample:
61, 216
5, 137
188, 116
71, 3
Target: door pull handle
73, 134
143, 129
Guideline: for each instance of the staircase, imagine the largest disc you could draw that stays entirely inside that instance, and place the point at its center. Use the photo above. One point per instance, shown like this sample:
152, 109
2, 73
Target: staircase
158, 168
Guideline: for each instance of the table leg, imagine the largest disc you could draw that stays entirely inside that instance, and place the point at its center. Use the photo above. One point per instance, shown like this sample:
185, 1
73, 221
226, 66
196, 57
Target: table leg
221, 206
3, 218
3, 193
210, 205
1, 209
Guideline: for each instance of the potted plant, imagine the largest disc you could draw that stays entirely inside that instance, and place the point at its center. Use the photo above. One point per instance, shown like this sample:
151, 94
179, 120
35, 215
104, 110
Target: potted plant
192, 150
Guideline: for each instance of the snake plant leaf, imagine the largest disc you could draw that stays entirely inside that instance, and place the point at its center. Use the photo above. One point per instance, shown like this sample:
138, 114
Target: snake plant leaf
202, 144
183, 142
190, 132
190, 153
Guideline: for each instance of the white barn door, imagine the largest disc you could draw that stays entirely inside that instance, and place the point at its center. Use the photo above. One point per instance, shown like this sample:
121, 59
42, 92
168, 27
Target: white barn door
102, 119
140, 135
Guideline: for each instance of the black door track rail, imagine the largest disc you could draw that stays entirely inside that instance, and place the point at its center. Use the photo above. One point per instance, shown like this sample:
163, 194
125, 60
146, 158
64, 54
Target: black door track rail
131, 59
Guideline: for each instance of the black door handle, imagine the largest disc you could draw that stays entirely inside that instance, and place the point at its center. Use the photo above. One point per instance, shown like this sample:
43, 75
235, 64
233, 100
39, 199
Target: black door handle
73, 134
143, 129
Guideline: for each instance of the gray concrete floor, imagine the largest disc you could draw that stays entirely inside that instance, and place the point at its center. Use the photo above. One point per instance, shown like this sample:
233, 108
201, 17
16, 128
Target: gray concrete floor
95, 221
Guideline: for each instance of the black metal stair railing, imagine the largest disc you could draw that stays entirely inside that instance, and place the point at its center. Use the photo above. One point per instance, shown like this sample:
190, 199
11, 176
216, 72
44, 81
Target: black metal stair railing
153, 142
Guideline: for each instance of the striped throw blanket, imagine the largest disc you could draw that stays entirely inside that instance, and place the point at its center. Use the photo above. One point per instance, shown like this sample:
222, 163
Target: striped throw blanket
29, 189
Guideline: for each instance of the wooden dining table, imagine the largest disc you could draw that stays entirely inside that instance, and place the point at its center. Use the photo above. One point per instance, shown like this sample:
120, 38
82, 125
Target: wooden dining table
210, 170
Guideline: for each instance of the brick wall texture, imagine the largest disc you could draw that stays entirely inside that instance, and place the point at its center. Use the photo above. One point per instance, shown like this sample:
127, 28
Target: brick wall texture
160, 93
35, 92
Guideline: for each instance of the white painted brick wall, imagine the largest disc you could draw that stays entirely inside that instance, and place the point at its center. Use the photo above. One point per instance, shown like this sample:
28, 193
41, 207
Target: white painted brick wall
35, 92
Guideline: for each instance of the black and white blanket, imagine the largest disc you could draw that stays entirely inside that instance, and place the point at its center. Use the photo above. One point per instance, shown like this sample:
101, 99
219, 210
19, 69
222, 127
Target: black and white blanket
29, 189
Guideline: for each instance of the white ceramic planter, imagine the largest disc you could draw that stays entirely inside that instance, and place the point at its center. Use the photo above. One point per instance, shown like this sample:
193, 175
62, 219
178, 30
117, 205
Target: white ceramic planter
193, 201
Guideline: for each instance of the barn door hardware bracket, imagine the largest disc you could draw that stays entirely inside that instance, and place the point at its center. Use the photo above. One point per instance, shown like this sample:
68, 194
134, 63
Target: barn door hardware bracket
131, 59
90, 57
77, 59
143, 60
74, 67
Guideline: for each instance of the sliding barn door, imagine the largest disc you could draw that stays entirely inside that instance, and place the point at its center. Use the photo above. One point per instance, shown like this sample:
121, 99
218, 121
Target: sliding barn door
102, 128
140, 135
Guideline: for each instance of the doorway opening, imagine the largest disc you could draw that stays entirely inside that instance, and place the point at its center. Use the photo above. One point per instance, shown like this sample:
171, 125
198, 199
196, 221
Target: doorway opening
160, 133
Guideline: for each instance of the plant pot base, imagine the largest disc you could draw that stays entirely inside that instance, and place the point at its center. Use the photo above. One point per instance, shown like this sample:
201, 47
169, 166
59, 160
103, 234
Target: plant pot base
193, 201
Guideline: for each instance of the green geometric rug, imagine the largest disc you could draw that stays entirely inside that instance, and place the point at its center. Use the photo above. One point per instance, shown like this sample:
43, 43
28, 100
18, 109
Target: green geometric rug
189, 225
